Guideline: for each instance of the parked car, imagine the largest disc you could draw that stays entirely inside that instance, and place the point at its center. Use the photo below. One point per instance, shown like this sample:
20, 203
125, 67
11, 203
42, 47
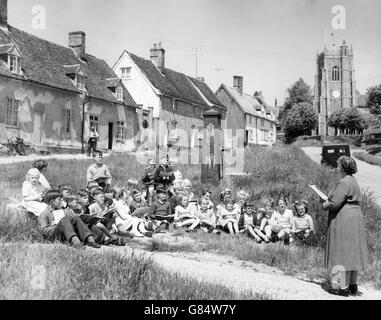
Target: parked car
331, 152
371, 137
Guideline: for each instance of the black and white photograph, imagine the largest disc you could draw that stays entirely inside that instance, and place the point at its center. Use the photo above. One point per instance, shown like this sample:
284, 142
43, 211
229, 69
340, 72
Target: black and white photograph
190, 155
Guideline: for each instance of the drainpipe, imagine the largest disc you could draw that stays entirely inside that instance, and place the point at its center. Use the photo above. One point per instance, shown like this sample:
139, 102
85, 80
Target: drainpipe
87, 99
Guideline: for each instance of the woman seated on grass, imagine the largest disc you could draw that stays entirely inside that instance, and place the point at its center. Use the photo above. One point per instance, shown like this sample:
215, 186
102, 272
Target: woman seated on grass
228, 216
125, 223
185, 214
281, 222
253, 223
32, 192
55, 226
302, 224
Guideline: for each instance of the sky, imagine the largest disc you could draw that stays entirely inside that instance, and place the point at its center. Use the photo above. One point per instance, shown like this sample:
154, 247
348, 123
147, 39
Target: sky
270, 43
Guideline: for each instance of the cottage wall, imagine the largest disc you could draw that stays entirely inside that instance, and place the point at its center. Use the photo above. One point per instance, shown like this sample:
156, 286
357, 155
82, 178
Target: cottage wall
235, 118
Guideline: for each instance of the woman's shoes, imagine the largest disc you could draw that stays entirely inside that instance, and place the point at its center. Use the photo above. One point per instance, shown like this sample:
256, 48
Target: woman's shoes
339, 292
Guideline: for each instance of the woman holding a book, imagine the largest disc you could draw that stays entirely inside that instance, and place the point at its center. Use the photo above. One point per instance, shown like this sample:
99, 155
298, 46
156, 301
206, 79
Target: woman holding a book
346, 248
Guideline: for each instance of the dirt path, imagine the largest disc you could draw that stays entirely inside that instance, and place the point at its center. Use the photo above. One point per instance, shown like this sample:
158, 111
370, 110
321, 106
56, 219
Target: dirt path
239, 275
18, 159
368, 176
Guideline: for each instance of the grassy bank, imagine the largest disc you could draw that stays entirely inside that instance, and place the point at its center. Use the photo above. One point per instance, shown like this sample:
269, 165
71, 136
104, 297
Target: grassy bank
369, 158
276, 171
59, 272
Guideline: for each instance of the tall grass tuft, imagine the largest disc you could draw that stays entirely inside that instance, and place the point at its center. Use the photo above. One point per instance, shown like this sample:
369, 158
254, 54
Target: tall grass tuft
66, 274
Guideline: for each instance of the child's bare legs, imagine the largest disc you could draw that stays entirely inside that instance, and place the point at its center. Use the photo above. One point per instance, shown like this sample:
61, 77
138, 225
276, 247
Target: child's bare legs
187, 222
235, 227
252, 232
261, 235
229, 225
195, 223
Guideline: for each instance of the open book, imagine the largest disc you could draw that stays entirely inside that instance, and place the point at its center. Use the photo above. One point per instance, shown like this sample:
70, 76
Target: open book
318, 192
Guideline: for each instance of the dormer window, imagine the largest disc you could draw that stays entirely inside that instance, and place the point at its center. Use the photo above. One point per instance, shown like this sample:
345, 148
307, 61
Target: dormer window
14, 63
119, 93
80, 82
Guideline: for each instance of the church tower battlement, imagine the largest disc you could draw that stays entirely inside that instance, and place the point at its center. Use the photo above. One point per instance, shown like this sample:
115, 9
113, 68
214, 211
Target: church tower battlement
335, 86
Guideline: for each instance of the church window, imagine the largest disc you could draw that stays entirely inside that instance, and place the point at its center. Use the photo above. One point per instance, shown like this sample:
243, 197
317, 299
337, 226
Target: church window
336, 74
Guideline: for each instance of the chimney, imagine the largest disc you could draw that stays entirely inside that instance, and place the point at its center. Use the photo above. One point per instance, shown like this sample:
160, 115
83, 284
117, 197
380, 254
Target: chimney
238, 83
276, 102
157, 56
202, 79
77, 41
4, 13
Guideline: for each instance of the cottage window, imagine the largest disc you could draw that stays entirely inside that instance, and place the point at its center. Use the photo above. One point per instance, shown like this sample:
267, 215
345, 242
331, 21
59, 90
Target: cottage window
67, 120
262, 122
119, 93
175, 105
12, 117
94, 120
125, 73
80, 82
193, 135
336, 74
14, 63
173, 130
120, 130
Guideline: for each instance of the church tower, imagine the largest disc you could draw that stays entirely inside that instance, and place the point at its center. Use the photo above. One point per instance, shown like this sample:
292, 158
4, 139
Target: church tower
335, 86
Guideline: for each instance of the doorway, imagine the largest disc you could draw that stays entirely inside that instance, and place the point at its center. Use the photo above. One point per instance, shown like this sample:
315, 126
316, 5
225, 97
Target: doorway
110, 134
37, 129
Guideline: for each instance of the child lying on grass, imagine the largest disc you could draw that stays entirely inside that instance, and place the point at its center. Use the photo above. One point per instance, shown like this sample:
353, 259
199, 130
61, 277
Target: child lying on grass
63, 228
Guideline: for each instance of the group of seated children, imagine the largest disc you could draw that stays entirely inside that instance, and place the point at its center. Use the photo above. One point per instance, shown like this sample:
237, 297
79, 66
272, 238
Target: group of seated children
101, 214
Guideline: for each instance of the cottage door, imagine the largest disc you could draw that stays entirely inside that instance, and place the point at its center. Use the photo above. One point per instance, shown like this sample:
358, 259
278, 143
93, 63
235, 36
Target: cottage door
37, 128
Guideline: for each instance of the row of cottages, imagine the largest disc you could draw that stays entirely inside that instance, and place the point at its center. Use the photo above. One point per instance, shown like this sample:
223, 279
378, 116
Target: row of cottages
50, 94
172, 103
250, 112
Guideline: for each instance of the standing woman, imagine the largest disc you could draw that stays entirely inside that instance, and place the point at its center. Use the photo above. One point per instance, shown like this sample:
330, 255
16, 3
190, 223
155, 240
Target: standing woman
346, 249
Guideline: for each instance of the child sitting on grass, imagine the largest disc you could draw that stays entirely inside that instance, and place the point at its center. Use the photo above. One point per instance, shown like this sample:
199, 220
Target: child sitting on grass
205, 216
160, 212
71, 229
188, 191
32, 192
175, 194
101, 211
281, 222
138, 206
125, 223
65, 189
184, 213
242, 197
99, 173
302, 225
83, 200
207, 194
228, 216
252, 223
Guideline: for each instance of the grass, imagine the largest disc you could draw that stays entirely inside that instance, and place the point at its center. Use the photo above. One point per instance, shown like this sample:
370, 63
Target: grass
70, 274
369, 158
277, 171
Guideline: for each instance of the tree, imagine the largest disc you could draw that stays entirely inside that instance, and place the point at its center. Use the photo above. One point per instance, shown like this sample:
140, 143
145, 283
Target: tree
374, 99
300, 120
299, 92
348, 119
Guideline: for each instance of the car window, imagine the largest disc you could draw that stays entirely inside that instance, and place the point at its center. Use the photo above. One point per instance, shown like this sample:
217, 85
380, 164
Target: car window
330, 151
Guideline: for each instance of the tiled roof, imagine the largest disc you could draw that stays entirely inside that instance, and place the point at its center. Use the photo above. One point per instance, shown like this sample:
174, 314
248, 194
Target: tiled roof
207, 92
44, 62
175, 84
248, 103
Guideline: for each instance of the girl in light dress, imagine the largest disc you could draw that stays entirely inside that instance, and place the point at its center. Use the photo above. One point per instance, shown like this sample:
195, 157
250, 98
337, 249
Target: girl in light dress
125, 223
41, 165
281, 222
228, 216
185, 213
32, 192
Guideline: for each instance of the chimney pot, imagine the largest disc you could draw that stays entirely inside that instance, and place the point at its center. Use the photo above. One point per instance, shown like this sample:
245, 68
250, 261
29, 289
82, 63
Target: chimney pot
77, 41
201, 79
238, 83
157, 56
4, 13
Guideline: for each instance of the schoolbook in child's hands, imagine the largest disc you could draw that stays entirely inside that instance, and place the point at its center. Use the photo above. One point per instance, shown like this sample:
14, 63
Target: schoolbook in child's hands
318, 192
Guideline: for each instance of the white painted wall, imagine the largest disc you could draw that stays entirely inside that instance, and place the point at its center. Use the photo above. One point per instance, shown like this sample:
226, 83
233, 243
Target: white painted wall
138, 85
